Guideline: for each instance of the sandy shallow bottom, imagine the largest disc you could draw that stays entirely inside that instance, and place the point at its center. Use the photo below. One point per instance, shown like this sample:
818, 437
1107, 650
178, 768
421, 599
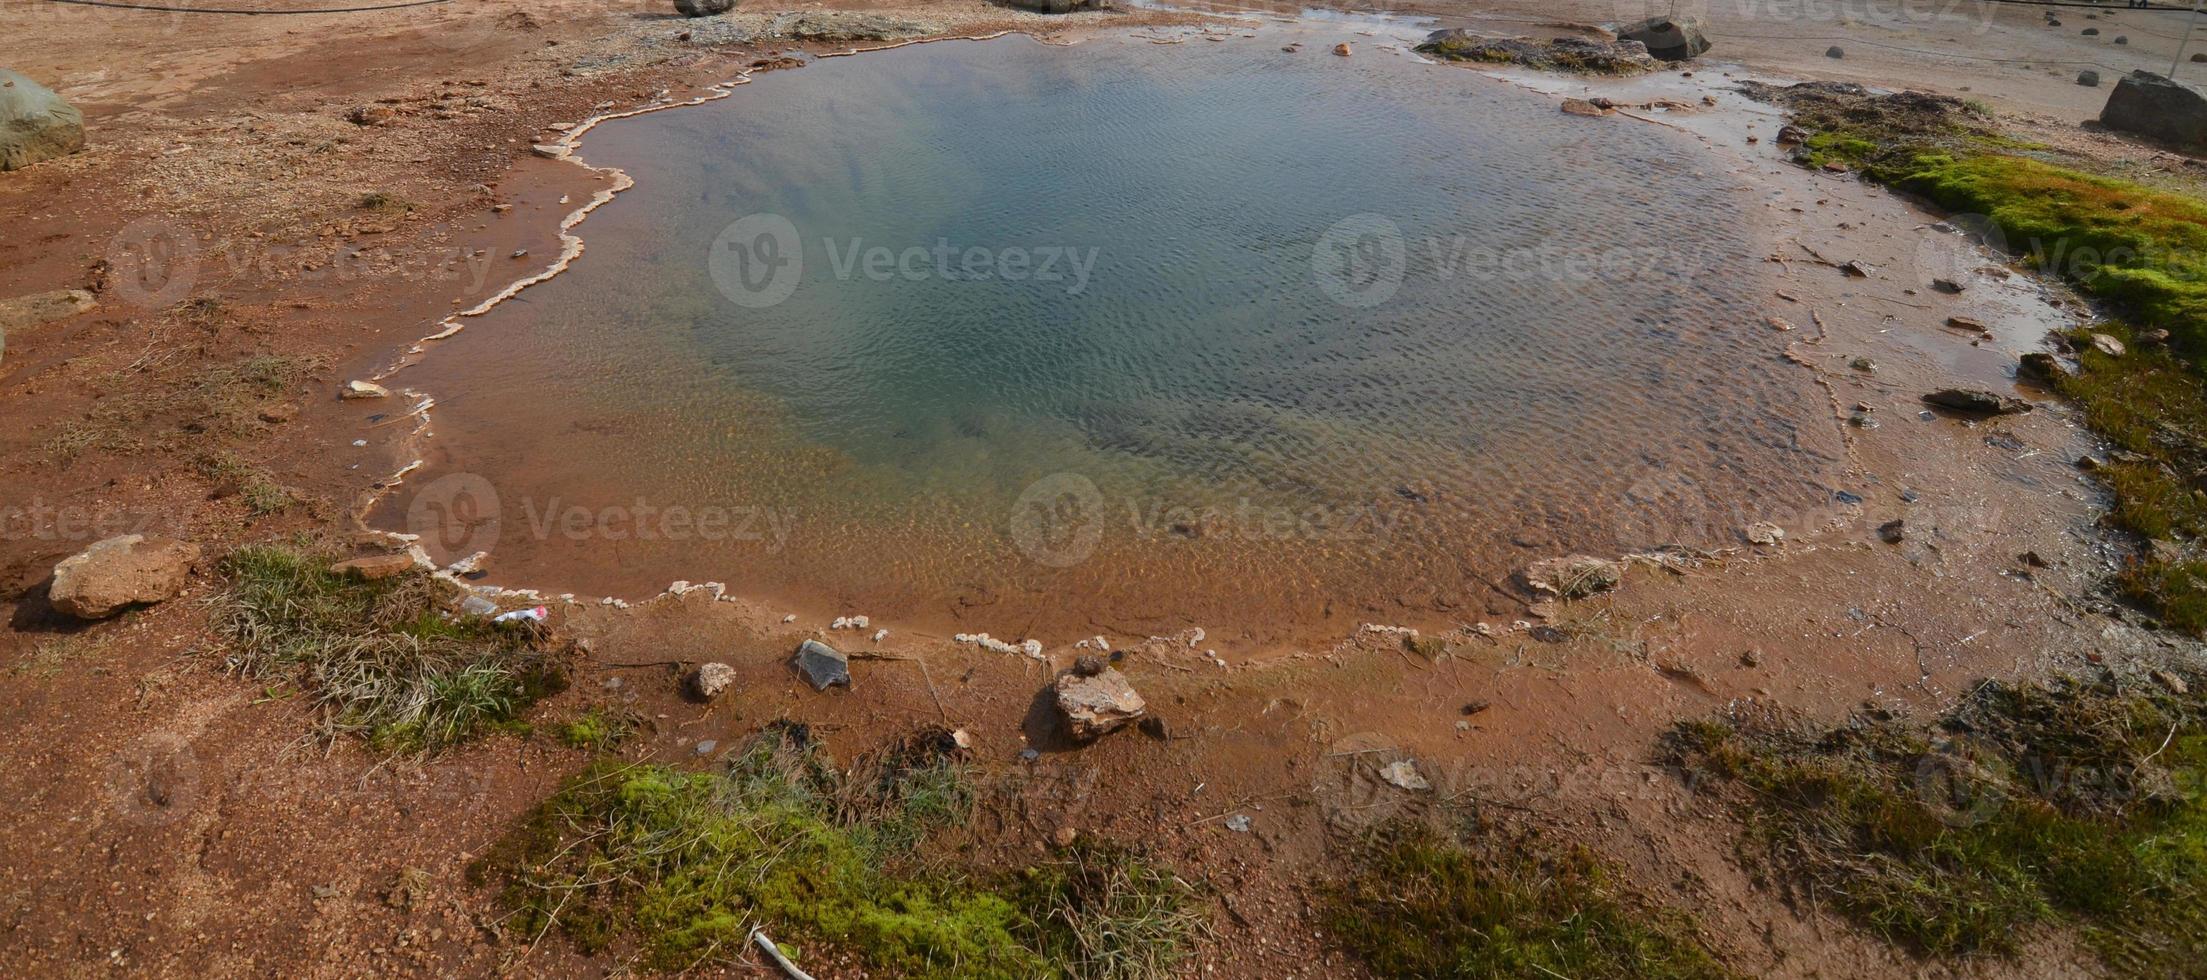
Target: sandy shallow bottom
1326, 341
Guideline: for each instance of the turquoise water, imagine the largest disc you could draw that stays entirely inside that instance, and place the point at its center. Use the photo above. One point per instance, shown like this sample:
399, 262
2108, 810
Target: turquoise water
1284, 338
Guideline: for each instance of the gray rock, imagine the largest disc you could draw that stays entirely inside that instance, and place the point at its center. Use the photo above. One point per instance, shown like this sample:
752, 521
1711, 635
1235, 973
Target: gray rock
2122, 39
1575, 55
703, 8
2091, 32
1097, 704
35, 124
823, 666
2088, 78
1668, 38
1976, 401
121, 572
2159, 108
1835, 51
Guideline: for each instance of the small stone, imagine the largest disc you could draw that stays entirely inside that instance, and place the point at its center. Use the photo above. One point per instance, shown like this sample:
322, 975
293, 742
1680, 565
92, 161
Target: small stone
1765, 533
1752, 658
1029, 755
703, 8
2088, 78
1581, 107
1946, 286
1238, 823
1967, 323
1153, 727
361, 390
1474, 707
710, 679
1403, 774
2174, 683
2108, 345
1341, 49
1893, 531
706, 747
1835, 51
1065, 836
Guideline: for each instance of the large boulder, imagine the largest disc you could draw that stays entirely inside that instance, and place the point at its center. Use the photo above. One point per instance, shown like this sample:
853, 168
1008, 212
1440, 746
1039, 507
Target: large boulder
1668, 38
1097, 700
35, 124
2158, 108
118, 573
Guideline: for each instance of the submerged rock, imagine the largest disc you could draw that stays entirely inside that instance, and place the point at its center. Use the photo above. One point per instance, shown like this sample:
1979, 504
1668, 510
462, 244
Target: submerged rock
824, 666
1976, 401
1668, 38
121, 572
1096, 700
35, 124
1576, 55
1575, 577
2160, 108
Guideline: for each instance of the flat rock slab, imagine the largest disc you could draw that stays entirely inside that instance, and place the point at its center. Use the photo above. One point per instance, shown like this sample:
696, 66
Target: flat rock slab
121, 572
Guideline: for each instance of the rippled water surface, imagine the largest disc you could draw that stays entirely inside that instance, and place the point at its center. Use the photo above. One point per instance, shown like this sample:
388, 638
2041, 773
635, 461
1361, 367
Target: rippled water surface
1123, 336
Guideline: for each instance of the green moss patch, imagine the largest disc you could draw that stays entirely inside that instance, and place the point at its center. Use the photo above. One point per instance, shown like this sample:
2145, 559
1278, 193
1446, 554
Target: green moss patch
682, 866
2070, 806
379, 659
1421, 902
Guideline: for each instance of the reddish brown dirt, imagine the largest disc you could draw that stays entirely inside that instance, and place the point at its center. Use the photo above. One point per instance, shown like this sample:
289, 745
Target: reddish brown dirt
169, 820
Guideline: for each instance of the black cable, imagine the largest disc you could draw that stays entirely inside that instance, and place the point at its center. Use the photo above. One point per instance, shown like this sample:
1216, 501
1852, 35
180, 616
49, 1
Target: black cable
248, 13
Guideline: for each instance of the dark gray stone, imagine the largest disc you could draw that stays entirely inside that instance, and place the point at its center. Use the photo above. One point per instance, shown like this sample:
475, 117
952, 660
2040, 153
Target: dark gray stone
1976, 401
2088, 78
35, 124
2158, 108
824, 666
1668, 38
703, 8
1835, 51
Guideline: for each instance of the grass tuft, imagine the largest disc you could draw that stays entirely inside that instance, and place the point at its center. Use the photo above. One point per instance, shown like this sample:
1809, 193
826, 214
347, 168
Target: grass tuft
1420, 902
379, 659
687, 863
2025, 807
